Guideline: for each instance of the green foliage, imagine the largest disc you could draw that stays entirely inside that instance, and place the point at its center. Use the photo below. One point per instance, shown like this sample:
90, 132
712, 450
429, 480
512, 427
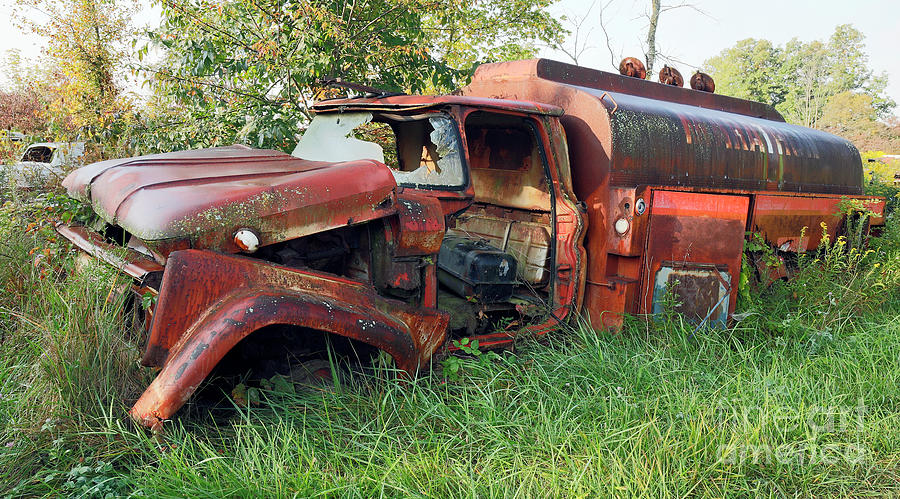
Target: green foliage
749, 70
247, 70
65, 363
857, 214
86, 42
826, 85
148, 299
880, 182
100, 480
453, 366
854, 116
670, 303
756, 251
466, 33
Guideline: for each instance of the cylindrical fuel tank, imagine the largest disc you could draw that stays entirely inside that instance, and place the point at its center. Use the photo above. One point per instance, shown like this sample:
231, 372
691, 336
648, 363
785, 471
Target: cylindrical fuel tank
625, 132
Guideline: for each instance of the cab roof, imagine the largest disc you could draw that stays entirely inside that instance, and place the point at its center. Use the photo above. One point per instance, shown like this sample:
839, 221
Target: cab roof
416, 102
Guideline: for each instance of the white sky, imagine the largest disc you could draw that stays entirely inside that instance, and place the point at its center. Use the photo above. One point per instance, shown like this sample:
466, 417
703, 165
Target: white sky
692, 37
684, 34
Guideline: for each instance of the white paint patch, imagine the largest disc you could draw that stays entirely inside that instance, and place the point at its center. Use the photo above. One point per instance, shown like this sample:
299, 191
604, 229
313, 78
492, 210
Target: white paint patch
766, 137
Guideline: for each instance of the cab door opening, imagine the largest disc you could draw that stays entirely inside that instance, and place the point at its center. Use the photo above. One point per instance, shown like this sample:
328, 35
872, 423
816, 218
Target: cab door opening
509, 224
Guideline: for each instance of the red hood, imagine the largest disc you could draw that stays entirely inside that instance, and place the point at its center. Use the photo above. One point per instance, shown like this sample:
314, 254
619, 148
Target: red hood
207, 194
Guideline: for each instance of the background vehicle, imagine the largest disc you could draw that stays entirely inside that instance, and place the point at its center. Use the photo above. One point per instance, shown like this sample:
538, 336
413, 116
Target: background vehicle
11, 136
44, 161
541, 191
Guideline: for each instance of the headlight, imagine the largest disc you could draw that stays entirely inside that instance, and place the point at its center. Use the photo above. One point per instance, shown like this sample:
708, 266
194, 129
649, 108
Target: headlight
246, 240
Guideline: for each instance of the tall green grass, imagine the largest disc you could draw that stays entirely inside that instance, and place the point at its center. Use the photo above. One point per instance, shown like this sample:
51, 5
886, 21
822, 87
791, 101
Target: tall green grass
799, 397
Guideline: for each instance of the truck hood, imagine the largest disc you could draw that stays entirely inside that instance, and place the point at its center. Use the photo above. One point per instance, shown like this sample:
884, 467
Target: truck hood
207, 194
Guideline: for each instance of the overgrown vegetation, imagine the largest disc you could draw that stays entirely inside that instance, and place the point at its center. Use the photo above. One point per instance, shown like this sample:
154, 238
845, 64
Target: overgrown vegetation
798, 397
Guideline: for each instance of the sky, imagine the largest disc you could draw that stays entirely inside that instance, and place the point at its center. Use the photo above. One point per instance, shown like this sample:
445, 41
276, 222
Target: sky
685, 35
691, 37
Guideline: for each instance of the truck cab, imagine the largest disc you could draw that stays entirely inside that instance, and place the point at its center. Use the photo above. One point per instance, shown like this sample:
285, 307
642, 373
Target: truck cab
496, 174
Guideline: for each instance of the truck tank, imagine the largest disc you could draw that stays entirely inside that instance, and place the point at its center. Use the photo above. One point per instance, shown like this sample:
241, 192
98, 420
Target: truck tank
626, 132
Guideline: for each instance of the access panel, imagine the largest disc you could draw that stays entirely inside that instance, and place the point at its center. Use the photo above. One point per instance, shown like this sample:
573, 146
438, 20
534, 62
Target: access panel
693, 255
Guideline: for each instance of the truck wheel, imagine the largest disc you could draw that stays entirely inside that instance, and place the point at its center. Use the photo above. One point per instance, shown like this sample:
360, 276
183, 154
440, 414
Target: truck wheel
314, 373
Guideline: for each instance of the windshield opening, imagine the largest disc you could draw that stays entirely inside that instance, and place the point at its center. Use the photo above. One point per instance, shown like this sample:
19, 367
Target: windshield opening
421, 151
38, 154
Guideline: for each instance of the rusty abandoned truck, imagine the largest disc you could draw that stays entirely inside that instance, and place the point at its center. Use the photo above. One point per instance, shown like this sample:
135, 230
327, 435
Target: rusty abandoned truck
540, 192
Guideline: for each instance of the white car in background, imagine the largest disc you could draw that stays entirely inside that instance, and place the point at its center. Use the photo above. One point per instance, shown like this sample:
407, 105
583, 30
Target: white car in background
12, 136
45, 161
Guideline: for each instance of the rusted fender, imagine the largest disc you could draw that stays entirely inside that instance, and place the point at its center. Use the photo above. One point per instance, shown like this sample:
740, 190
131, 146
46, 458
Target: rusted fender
224, 298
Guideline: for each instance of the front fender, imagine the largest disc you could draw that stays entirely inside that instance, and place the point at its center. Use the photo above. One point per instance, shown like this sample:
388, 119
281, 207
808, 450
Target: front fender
210, 301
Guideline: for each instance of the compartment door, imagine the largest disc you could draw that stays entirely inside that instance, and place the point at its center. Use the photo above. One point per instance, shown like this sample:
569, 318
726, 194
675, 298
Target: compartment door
694, 247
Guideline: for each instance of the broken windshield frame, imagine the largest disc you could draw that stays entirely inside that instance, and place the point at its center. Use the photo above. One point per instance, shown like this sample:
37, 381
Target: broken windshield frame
423, 152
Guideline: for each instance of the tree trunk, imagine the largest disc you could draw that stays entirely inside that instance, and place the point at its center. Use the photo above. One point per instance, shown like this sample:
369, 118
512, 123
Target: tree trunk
651, 35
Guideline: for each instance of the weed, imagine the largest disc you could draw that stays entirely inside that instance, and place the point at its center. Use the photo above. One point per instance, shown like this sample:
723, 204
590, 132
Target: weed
454, 366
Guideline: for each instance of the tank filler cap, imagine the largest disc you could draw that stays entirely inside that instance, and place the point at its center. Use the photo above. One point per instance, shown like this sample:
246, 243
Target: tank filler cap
670, 76
246, 240
633, 67
703, 82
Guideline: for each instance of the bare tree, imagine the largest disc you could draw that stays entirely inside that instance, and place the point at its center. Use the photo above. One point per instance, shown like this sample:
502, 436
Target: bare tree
581, 32
650, 55
657, 8
613, 57
579, 36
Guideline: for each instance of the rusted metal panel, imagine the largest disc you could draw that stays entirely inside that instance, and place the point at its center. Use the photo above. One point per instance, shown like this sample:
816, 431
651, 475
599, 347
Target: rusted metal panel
128, 261
793, 223
569, 224
424, 102
197, 280
630, 205
209, 302
694, 230
701, 291
546, 69
420, 228
660, 143
506, 166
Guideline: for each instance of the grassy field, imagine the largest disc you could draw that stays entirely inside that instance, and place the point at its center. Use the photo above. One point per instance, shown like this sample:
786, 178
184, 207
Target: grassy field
801, 396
